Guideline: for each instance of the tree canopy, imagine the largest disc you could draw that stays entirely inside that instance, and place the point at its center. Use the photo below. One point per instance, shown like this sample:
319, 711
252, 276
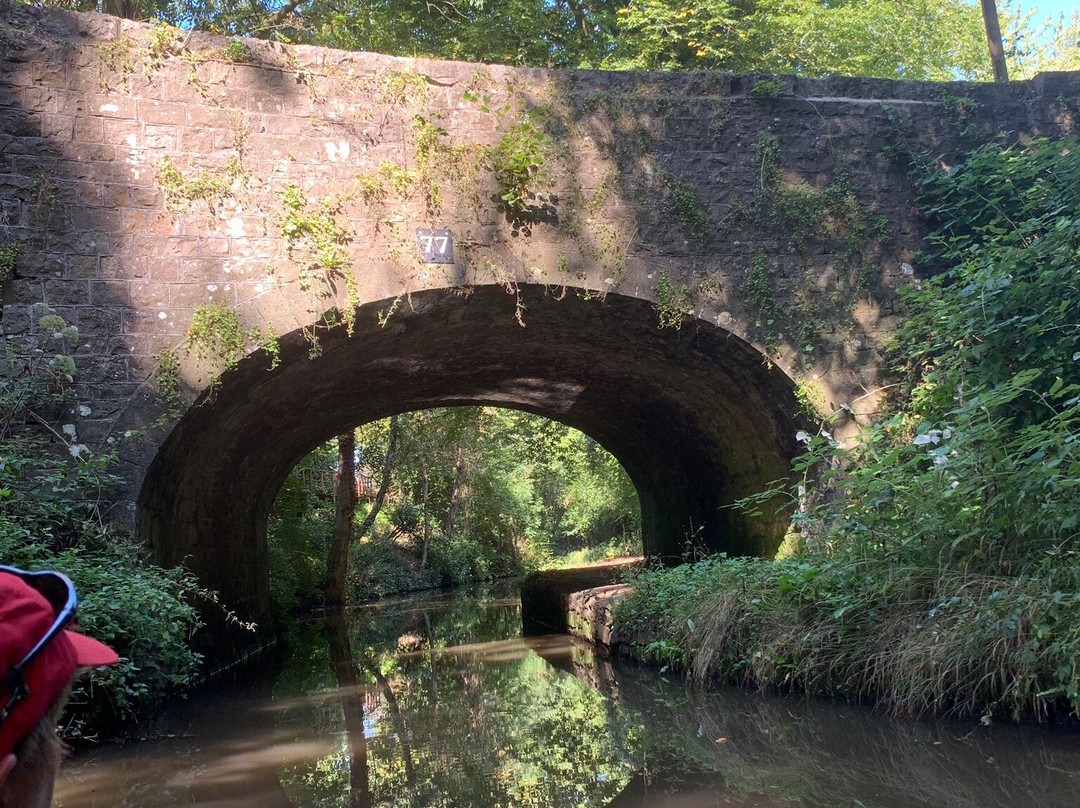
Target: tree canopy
917, 39
472, 493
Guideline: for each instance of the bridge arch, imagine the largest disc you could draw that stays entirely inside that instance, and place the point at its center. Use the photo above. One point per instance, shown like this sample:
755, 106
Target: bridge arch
697, 417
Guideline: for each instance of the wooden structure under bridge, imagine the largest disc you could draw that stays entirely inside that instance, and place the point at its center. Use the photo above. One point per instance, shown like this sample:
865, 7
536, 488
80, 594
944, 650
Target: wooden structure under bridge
323, 483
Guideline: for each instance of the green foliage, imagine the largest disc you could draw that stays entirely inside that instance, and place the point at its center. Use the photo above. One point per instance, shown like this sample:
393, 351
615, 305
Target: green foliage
923, 640
317, 240
686, 207
1051, 46
317, 229
939, 567
209, 185
9, 256
925, 39
757, 289
163, 42
766, 158
808, 216
673, 302
215, 334
553, 741
167, 376
117, 55
237, 52
475, 493
217, 340
298, 528
517, 160
52, 494
770, 88
37, 385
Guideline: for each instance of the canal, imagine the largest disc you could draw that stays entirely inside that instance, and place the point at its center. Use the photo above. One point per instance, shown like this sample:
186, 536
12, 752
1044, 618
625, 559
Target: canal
439, 701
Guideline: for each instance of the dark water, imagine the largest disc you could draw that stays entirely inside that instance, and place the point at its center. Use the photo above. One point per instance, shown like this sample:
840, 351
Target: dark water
440, 702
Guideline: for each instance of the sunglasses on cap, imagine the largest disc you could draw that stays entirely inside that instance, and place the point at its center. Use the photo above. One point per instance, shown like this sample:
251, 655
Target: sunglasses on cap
56, 588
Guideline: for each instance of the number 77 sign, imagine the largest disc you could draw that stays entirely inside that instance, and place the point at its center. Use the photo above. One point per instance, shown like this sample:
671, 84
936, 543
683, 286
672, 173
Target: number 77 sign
436, 245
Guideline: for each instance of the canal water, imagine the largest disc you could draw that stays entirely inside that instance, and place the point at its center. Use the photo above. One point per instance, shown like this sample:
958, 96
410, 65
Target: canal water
441, 702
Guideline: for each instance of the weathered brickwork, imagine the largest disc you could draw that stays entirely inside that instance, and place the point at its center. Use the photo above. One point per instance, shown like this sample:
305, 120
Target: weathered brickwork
689, 256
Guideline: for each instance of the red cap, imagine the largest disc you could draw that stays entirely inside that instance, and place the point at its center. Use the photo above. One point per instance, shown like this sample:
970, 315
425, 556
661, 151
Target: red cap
25, 617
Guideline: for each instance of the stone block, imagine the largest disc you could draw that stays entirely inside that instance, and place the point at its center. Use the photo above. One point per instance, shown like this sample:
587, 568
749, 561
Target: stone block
81, 267
149, 111
101, 318
125, 133
66, 292
57, 128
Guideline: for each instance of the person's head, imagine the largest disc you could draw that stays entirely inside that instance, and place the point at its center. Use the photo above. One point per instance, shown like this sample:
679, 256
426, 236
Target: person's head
38, 660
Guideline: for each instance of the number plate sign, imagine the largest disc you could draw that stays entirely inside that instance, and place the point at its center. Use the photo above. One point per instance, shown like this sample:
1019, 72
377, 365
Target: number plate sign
436, 245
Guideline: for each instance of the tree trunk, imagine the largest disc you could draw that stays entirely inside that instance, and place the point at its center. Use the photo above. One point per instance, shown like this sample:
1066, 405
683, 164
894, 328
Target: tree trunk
337, 562
455, 491
384, 480
128, 9
352, 702
993, 39
341, 554
426, 527
399, 729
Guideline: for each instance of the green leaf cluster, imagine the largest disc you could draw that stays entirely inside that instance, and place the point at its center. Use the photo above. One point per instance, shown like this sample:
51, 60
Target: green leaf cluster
924, 39
518, 159
9, 255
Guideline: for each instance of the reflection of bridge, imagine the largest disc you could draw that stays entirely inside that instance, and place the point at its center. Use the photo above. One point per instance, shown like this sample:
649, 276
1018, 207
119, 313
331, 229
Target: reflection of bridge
146, 180
323, 483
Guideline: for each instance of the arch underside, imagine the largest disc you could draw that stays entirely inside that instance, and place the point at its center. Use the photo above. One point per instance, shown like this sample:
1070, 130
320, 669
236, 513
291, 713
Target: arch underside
695, 415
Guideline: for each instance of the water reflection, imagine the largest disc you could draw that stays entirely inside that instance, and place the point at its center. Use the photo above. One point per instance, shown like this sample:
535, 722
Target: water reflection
441, 703
444, 719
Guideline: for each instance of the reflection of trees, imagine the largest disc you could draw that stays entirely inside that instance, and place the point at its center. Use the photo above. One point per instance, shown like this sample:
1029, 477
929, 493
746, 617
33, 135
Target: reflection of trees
513, 733
445, 727
352, 703
400, 731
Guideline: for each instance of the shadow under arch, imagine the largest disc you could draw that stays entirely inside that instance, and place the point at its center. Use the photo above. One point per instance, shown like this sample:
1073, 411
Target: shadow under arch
696, 416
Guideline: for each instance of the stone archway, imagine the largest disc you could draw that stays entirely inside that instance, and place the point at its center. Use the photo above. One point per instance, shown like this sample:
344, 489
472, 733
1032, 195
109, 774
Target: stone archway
696, 416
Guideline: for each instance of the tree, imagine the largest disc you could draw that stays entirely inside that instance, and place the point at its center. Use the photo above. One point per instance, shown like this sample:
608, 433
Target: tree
1055, 45
344, 534
914, 39
464, 493
337, 561
917, 39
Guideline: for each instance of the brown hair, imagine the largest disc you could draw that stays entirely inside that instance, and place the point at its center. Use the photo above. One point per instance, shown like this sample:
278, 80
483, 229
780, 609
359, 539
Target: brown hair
39, 754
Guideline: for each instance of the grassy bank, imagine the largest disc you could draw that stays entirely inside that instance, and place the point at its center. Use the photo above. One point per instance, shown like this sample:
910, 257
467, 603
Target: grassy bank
920, 640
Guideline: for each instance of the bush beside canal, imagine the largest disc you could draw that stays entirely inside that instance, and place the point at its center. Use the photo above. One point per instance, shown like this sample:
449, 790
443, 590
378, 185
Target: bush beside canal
50, 519
938, 567
921, 640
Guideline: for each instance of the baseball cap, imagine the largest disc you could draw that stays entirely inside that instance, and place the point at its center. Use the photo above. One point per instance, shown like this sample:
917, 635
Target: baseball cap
38, 656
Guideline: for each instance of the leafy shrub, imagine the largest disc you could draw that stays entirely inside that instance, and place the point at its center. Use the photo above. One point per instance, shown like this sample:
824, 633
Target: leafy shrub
939, 570
50, 489
146, 613
518, 159
379, 567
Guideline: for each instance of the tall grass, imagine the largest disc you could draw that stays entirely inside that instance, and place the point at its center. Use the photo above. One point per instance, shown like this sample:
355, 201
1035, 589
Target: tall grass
920, 640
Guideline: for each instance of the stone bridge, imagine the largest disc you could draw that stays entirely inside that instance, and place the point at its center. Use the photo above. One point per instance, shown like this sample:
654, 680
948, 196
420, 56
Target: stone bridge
263, 245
